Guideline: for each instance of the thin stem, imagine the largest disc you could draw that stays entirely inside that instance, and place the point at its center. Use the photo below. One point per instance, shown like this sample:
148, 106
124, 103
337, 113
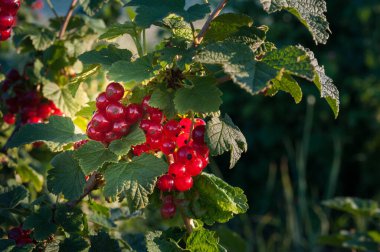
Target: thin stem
91, 184
51, 6
67, 18
138, 45
193, 32
192, 126
207, 24
144, 42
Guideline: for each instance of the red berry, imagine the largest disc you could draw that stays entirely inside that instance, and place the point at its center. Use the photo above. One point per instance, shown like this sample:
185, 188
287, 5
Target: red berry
168, 146
140, 149
94, 134
111, 136
12, 104
10, 118
165, 183
172, 128
6, 21
196, 166
155, 115
121, 127
185, 124
10, 6
5, 34
168, 199
168, 210
102, 102
114, 91
115, 111
183, 183
154, 129
44, 110
79, 144
100, 123
13, 74
199, 134
133, 113
15, 233
177, 169
199, 122
31, 98
154, 142
144, 124
185, 154
183, 139
37, 5
35, 119
201, 149
145, 103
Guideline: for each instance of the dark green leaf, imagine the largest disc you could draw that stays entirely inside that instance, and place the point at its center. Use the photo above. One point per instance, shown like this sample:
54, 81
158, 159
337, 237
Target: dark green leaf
6, 245
11, 196
117, 30
58, 132
135, 180
164, 100
157, 242
223, 135
75, 243
102, 221
122, 146
105, 56
102, 242
93, 155
70, 218
42, 223
66, 177
287, 84
202, 240
91, 7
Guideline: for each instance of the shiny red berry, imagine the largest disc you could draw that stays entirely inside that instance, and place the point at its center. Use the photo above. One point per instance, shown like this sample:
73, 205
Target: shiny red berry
121, 127
133, 113
111, 136
154, 129
201, 149
182, 139
183, 183
144, 124
172, 128
140, 149
79, 144
177, 169
155, 115
10, 118
198, 134
100, 122
44, 110
6, 21
154, 142
10, 6
102, 102
196, 166
35, 119
94, 134
168, 146
185, 124
5, 34
145, 103
185, 154
114, 91
165, 183
199, 122
115, 111
168, 210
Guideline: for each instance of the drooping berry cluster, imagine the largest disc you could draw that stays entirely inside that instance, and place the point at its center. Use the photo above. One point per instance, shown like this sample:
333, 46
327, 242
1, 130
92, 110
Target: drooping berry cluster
22, 99
20, 236
112, 119
8, 11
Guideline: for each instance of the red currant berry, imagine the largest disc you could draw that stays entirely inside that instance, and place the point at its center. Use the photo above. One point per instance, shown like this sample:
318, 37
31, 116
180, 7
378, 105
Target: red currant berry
15, 233
140, 149
183, 183
168, 210
155, 115
185, 154
196, 166
5, 34
182, 139
111, 136
94, 135
144, 124
121, 127
10, 6
13, 75
57, 112
100, 122
102, 102
10, 118
199, 122
6, 21
172, 128
185, 124
177, 169
201, 149
44, 110
199, 134
79, 144
31, 98
145, 103
34, 119
168, 199
165, 183
114, 91
154, 129
115, 111
12, 104
133, 113
168, 146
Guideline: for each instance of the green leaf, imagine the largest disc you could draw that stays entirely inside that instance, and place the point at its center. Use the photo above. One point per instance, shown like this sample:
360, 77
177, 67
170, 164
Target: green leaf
135, 180
91, 7
225, 25
66, 177
238, 61
69, 218
202, 97
138, 70
63, 98
157, 242
105, 56
223, 135
324, 84
254, 37
41, 222
164, 100
309, 12
117, 30
231, 240
286, 84
102, 242
40, 37
92, 155
150, 11
122, 146
74, 243
87, 111
354, 206
58, 132
11, 196
291, 60
6, 245
31, 176
83, 76
217, 200
102, 221
202, 240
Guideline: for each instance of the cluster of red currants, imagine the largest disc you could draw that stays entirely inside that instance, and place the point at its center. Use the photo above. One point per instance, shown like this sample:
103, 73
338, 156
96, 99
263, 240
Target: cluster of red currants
8, 11
20, 236
25, 100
